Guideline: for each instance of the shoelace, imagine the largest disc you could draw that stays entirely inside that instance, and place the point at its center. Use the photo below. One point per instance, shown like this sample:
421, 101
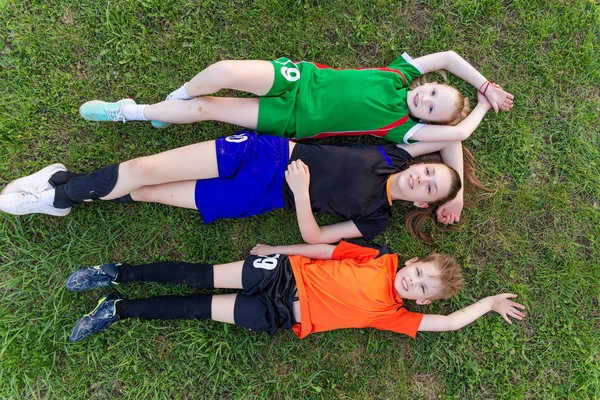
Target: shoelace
101, 277
115, 114
30, 198
38, 191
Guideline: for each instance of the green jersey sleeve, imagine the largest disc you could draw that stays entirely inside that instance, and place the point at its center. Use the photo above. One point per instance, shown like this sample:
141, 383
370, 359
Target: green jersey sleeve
409, 68
404, 132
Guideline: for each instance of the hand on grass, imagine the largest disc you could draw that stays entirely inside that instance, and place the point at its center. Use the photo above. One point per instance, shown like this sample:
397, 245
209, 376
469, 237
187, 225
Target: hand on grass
262, 250
297, 177
498, 98
449, 212
502, 304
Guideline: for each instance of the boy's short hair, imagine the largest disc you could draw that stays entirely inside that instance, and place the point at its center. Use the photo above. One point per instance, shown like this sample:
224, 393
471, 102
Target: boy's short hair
450, 274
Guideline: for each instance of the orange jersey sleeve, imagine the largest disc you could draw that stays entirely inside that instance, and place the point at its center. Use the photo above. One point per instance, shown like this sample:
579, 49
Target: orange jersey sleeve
349, 250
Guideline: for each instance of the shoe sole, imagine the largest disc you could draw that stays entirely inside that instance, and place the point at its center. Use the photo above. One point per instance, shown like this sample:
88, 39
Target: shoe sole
6, 190
160, 124
57, 212
61, 212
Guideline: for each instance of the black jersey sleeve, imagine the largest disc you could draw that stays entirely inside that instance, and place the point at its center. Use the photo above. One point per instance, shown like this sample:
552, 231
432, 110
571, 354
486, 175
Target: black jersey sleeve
371, 227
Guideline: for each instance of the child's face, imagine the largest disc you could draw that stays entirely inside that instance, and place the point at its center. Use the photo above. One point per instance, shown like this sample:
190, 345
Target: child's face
432, 102
417, 281
423, 184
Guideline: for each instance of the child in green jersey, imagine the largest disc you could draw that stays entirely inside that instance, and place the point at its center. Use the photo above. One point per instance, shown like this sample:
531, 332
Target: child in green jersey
303, 99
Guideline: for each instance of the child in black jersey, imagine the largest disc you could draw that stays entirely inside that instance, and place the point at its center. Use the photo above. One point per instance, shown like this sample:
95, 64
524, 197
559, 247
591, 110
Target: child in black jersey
243, 174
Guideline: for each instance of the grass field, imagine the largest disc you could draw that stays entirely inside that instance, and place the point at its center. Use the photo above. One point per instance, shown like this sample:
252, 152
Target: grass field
537, 235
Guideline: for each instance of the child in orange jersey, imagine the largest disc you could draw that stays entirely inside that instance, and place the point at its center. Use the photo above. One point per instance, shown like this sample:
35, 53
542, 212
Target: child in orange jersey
307, 288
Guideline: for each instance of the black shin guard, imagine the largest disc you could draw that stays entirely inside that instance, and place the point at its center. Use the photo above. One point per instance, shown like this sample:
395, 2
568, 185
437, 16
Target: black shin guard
193, 274
78, 188
167, 307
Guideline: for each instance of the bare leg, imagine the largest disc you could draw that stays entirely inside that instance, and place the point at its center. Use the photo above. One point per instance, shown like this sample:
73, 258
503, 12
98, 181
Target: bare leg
250, 76
197, 161
178, 194
222, 307
237, 111
228, 276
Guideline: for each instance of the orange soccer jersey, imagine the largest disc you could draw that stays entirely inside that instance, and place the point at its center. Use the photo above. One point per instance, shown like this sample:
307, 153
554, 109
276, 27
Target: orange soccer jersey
355, 289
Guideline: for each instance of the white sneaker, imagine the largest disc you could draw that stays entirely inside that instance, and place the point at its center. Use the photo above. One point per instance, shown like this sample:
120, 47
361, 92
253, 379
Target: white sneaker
29, 203
34, 183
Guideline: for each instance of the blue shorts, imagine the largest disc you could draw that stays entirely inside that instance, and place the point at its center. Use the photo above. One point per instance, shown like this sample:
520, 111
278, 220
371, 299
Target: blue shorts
251, 174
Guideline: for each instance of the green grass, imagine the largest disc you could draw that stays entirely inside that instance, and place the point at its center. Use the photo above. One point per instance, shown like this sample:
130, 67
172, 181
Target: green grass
538, 235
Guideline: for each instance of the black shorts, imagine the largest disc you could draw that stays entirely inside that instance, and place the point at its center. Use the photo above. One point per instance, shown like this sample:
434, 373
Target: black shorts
266, 303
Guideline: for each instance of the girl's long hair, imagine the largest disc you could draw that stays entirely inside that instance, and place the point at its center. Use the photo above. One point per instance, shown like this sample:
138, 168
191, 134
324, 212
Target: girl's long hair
415, 219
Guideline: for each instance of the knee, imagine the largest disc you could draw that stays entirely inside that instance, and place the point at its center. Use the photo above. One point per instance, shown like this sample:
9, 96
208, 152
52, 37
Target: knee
141, 170
225, 70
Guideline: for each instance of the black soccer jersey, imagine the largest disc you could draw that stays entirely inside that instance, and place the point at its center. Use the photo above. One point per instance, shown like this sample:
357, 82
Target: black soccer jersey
349, 181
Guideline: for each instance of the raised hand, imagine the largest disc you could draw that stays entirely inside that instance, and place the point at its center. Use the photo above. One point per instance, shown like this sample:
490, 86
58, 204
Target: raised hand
449, 212
498, 98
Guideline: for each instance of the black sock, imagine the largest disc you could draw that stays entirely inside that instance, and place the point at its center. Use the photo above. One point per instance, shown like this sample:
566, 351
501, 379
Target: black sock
123, 199
193, 274
61, 177
167, 307
78, 188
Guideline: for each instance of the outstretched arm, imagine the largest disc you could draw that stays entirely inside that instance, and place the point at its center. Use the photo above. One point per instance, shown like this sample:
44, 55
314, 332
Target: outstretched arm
452, 62
460, 131
500, 303
298, 179
320, 251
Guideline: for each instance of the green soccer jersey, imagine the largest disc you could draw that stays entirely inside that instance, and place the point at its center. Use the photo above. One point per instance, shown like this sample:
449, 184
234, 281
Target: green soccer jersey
345, 102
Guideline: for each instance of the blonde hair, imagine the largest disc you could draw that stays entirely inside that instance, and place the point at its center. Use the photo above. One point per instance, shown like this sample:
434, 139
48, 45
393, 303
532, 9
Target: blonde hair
463, 106
449, 274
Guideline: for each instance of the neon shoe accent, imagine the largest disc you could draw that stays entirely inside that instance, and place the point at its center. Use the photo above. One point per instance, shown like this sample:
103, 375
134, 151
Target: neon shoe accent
101, 318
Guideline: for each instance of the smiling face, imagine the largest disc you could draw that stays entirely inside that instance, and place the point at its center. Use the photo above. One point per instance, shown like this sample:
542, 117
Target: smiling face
433, 102
418, 280
422, 184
